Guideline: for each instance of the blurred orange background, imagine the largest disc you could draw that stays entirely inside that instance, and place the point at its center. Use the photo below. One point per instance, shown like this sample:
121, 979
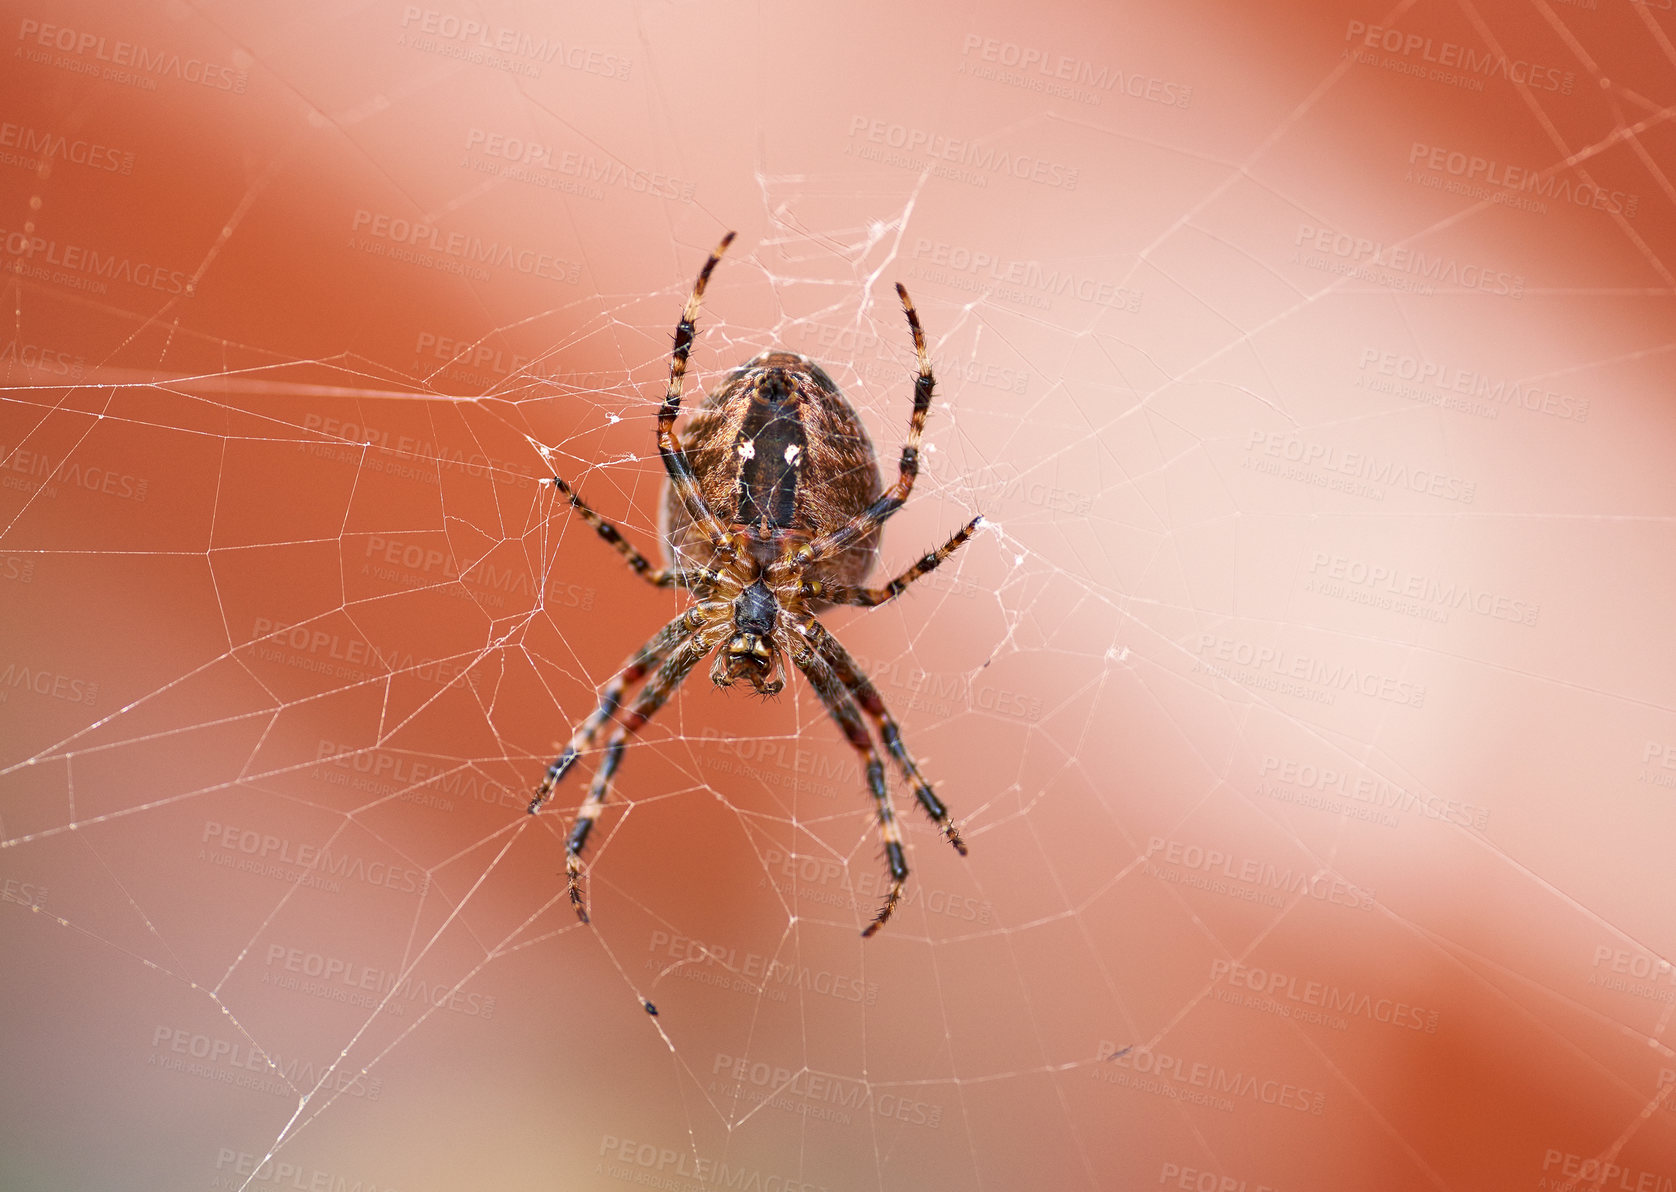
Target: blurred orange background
1306, 704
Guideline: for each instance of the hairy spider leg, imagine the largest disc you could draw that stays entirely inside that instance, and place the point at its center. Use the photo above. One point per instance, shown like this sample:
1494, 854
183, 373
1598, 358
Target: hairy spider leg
837, 699
892, 499
658, 577
870, 597
610, 696
676, 667
675, 459
865, 694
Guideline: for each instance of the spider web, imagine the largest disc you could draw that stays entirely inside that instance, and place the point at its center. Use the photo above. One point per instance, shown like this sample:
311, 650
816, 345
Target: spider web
1305, 700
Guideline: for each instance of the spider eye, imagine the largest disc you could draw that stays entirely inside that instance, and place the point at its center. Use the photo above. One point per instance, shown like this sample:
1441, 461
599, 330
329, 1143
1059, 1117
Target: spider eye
774, 388
754, 610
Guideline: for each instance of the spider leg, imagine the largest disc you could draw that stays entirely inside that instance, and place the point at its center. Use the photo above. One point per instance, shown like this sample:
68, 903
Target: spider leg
675, 459
892, 499
869, 597
658, 577
676, 666
861, 687
838, 702
610, 696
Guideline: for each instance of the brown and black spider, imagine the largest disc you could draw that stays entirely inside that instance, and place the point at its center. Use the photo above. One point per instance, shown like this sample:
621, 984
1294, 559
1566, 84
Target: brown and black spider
773, 512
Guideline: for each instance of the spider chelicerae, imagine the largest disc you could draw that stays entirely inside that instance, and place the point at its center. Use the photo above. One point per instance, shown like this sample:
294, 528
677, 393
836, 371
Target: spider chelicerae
773, 512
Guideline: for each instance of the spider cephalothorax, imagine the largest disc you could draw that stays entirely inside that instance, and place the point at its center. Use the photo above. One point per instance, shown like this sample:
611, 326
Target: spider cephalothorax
753, 653
773, 513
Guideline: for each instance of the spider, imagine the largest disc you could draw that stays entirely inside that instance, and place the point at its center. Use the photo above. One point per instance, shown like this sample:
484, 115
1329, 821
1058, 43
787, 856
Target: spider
772, 513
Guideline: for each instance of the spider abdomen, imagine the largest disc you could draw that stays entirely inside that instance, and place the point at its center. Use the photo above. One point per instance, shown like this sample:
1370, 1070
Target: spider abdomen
777, 449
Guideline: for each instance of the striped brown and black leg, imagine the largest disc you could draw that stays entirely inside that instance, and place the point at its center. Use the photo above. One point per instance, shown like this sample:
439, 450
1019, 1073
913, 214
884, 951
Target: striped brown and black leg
643, 660
675, 667
838, 702
675, 459
869, 519
861, 687
659, 577
869, 597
